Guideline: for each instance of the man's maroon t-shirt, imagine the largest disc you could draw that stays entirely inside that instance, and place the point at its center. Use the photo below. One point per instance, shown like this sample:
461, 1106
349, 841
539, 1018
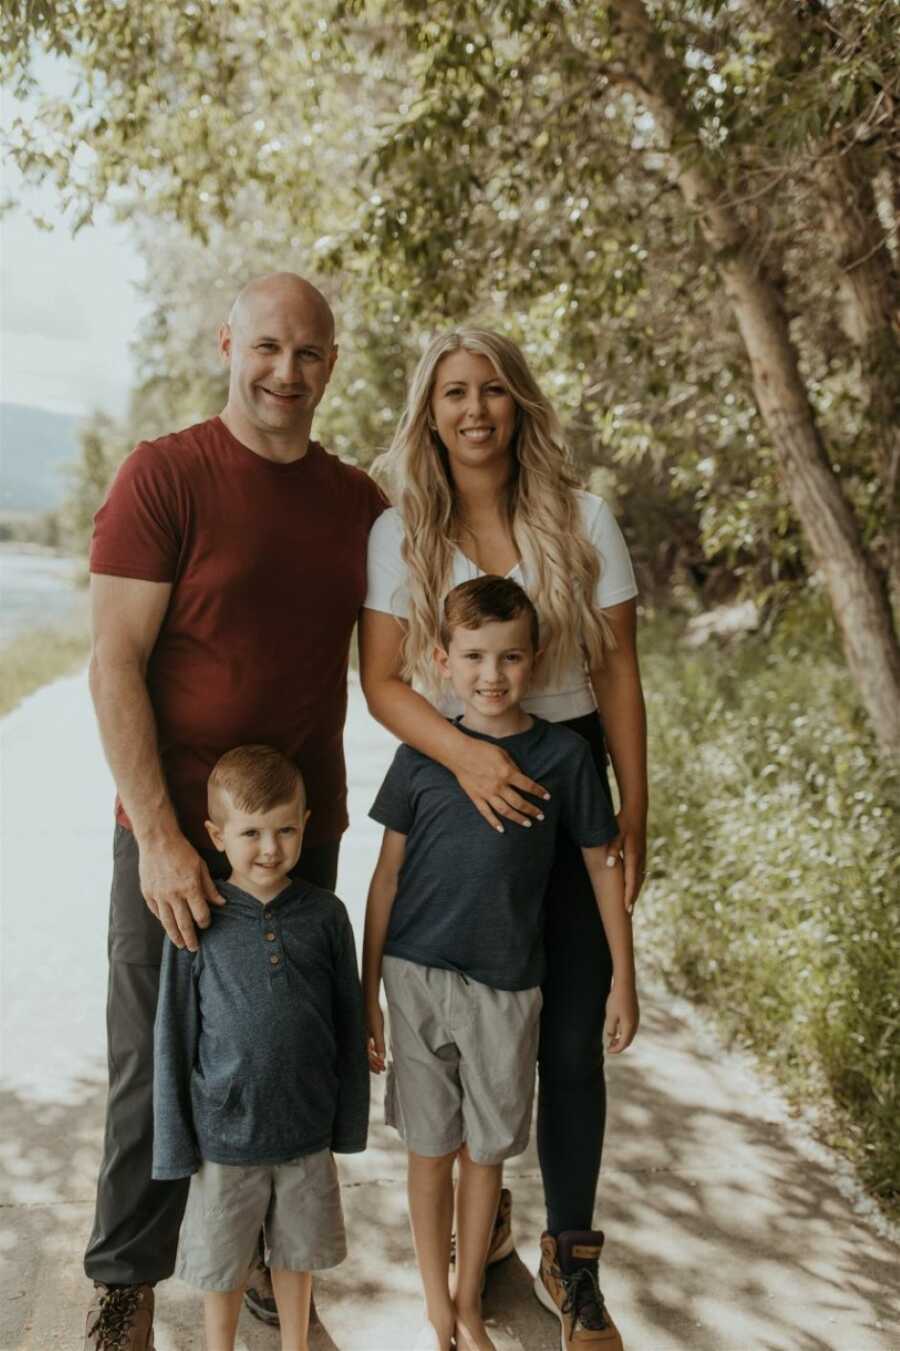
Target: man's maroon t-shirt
268, 568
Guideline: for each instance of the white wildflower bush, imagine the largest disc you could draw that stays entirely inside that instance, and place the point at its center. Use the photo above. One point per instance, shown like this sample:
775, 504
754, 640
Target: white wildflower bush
774, 876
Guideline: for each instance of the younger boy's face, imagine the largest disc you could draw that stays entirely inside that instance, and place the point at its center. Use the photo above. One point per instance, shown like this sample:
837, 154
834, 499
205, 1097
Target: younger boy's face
490, 668
262, 847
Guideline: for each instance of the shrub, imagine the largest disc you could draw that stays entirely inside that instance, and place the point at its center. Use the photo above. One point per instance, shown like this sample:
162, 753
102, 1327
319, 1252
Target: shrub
37, 657
775, 869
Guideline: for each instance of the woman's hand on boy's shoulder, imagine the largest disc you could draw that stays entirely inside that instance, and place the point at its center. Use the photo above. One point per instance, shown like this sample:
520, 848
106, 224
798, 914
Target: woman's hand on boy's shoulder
622, 1018
494, 782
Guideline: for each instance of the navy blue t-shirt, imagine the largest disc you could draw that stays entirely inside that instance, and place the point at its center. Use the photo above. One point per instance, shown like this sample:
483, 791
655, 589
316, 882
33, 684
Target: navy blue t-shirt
470, 899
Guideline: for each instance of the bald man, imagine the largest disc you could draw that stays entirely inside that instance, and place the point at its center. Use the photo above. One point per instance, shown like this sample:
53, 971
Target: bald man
227, 572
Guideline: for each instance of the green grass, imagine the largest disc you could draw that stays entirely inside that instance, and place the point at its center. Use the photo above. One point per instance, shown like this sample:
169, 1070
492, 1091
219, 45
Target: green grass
773, 885
36, 658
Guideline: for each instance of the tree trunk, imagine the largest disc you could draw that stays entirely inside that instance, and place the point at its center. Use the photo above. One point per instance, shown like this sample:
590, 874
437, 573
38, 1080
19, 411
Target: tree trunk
887, 198
856, 590
870, 307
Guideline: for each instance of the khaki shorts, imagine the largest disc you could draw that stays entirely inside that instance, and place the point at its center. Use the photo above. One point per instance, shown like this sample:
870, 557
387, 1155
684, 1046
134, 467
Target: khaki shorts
463, 1061
297, 1204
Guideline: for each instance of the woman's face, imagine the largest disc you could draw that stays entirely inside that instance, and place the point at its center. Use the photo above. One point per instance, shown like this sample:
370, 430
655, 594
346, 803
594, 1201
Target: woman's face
474, 411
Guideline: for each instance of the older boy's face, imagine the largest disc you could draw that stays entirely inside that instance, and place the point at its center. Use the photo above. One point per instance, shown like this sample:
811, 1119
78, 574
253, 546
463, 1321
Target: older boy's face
262, 847
490, 668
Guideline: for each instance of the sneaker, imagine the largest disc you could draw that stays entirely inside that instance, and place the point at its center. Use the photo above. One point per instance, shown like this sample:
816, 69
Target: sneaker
567, 1285
502, 1241
120, 1318
259, 1297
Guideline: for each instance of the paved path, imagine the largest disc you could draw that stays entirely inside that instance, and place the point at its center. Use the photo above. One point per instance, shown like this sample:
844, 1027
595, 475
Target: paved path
723, 1236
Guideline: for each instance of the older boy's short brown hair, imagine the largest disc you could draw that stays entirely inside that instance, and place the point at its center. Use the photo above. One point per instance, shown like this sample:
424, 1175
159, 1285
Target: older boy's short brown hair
485, 600
255, 779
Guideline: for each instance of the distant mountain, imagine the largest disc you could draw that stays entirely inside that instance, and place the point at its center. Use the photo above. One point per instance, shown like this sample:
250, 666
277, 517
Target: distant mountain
34, 447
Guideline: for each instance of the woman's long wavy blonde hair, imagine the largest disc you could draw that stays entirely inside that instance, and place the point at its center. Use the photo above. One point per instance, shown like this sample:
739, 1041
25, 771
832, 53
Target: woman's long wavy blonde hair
542, 507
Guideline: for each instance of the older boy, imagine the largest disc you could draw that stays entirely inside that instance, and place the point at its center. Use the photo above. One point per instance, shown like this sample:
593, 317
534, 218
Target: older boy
259, 1060
454, 926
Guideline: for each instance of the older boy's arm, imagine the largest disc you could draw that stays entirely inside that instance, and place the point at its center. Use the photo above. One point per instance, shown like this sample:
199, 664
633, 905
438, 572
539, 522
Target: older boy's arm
176, 1035
351, 1117
622, 1014
382, 890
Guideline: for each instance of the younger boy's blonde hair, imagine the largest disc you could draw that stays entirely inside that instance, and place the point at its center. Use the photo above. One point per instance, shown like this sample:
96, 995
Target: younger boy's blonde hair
254, 779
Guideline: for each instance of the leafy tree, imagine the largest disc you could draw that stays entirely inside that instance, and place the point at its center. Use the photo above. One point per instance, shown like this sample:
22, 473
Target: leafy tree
104, 442
543, 143
686, 211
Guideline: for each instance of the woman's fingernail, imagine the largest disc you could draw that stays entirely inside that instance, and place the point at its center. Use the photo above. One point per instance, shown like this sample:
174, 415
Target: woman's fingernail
611, 860
540, 816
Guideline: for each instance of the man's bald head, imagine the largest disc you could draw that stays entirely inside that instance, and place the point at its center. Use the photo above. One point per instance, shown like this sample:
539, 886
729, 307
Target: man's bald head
279, 345
281, 288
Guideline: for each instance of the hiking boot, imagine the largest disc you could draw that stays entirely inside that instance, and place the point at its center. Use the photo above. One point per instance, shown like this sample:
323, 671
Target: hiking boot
502, 1241
259, 1297
120, 1318
567, 1285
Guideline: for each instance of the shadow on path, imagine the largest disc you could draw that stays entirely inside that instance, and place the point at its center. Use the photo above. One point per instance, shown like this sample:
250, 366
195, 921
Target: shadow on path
722, 1235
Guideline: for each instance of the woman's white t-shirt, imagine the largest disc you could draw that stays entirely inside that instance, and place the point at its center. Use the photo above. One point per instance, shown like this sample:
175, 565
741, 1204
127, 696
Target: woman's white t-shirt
570, 696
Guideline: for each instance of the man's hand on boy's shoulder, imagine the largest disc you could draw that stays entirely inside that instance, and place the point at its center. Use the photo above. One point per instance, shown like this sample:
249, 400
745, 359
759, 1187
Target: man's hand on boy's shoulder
622, 1017
375, 1038
176, 886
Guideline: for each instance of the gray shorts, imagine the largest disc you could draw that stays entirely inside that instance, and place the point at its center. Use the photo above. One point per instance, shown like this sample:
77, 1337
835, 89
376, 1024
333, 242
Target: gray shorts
297, 1204
463, 1061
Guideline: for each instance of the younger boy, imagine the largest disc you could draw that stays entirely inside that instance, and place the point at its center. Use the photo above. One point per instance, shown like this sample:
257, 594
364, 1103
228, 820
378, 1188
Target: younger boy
454, 925
260, 1068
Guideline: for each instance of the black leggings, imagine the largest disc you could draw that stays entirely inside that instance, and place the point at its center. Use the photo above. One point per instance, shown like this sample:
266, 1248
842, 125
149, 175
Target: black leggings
572, 1090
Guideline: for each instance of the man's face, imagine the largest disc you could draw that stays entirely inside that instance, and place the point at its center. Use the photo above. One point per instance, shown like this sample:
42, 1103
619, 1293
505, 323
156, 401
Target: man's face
281, 353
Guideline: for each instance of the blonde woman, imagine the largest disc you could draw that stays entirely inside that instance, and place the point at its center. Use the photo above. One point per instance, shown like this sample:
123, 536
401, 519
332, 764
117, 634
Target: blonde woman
483, 484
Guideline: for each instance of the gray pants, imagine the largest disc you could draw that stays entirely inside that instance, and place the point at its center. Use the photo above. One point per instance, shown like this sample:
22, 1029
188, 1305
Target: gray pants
136, 1221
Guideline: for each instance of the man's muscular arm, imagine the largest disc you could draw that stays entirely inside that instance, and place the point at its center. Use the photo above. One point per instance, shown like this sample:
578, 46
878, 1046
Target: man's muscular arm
126, 618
